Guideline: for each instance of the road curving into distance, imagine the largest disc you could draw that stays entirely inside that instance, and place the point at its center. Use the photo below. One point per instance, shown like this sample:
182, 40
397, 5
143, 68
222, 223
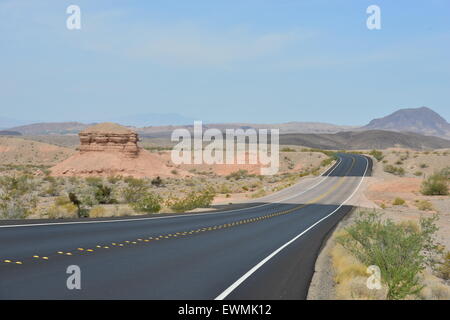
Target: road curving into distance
267, 251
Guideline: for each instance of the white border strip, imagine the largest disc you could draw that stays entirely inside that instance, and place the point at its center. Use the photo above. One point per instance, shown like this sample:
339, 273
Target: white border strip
231, 288
177, 216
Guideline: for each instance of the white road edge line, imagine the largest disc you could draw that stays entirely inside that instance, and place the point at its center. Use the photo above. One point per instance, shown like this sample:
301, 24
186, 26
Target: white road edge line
231, 288
168, 217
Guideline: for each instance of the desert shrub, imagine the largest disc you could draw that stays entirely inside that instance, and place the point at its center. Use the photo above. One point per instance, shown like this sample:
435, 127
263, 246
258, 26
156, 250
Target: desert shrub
398, 202
49, 179
224, 189
238, 175
423, 165
93, 181
62, 200
394, 170
445, 172
287, 149
196, 199
52, 190
326, 162
97, 212
258, 194
174, 171
136, 189
81, 212
114, 179
424, 205
401, 252
150, 203
418, 173
157, 181
17, 197
434, 185
377, 154
104, 194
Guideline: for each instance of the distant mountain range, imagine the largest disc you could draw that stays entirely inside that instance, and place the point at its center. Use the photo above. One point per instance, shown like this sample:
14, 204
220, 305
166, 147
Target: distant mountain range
418, 121
371, 139
152, 119
161, 131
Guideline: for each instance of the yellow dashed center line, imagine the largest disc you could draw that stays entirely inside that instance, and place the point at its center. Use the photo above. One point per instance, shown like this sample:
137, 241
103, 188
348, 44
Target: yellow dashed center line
204, 229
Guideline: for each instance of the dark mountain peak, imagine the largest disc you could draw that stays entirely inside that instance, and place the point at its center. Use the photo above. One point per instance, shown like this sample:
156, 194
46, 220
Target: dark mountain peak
421, 120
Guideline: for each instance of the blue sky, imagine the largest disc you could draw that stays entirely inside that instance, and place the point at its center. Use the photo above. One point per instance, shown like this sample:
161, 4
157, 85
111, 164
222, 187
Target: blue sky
223, 61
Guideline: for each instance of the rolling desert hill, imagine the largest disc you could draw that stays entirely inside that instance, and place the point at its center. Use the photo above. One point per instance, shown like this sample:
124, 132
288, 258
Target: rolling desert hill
372, 139
46, 128
16, 151
419, 120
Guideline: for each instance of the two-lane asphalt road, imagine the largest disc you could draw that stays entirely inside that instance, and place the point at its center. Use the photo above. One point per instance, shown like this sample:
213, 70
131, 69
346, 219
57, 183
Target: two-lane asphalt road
266, 251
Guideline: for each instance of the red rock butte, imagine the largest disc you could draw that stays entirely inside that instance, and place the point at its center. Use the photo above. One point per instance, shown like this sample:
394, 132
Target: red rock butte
109, 149
109, 137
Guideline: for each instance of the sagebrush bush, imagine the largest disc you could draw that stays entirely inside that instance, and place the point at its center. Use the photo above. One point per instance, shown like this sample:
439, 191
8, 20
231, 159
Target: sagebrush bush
104, 194
150, 203
401, 252
398, 202
17, 197
399, 171
136, 189
435, 185
196, 199
238, 175
424, 205
377, 154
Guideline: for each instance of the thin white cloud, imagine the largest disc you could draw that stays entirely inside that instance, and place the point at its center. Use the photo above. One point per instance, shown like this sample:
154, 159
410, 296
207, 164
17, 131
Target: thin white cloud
198, 47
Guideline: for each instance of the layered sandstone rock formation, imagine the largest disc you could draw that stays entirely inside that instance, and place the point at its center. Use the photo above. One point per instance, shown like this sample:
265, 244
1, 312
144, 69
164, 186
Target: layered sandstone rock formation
108, 149
109, 137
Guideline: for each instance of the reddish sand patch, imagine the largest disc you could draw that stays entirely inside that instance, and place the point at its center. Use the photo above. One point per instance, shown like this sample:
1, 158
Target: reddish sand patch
403, 185
219, 169
145, 164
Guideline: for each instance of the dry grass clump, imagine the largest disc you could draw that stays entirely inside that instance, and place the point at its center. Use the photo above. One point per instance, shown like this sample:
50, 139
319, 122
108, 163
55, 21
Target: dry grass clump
97, 212
424, 205
351, 277
65, 211
62, 208
356, 289
398, 202
433, 289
